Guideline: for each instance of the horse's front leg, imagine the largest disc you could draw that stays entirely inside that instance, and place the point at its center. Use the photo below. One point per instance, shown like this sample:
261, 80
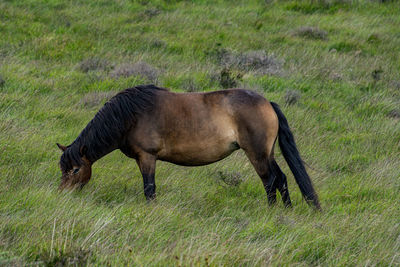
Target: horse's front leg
147, 166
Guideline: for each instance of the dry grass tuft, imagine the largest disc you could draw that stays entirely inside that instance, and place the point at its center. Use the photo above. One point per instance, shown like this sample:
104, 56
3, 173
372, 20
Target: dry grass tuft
139, 69
257, 61
376, 74
260, 62
396, 85
292, 97
227, 78
152, 12
311, 33
72, 258
158, 43
91, 64
374, 38
2, 81
395, 114
231, 178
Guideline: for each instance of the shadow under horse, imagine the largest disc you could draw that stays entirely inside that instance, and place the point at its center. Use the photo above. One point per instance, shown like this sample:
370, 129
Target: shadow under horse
148, 123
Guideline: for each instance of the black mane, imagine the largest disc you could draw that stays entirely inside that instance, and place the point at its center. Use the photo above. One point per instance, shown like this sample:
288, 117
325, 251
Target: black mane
110, 124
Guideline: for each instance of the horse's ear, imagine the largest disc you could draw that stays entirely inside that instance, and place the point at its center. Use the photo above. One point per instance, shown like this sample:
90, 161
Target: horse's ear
61, 147
83, 150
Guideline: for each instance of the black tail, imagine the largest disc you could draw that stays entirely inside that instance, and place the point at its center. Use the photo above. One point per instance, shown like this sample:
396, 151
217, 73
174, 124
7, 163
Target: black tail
292, 157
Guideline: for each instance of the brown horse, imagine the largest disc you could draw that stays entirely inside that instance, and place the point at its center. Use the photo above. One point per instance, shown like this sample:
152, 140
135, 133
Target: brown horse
148, 123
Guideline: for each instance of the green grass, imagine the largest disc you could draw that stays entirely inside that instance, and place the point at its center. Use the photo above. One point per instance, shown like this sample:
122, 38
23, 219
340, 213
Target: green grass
349, 83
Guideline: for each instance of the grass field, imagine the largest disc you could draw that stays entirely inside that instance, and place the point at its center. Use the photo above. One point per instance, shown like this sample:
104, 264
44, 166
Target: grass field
335, 63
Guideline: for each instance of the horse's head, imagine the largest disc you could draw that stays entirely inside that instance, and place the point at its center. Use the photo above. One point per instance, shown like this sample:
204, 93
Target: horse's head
76, 169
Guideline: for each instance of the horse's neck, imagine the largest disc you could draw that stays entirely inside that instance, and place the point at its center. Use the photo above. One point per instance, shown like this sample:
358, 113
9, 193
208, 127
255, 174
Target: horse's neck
96, 150
95, 156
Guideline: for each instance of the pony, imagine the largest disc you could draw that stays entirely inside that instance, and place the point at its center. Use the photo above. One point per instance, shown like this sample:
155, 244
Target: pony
148, 123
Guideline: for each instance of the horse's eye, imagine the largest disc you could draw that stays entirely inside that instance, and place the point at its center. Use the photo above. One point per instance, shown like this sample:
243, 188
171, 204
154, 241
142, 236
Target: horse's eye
76, 170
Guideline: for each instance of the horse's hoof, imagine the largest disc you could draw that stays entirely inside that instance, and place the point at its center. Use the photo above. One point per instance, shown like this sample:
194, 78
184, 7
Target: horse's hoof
151, 198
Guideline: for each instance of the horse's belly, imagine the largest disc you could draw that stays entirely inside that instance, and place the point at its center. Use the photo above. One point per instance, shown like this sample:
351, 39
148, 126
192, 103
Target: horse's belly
199, 152
189, 157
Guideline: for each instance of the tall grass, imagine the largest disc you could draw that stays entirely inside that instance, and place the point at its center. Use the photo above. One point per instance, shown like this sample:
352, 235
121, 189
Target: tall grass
61, 60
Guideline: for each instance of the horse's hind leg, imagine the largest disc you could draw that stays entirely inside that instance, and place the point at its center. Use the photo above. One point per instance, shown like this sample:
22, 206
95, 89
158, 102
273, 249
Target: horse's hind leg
273, 178
264, 170
258, 129
281, 183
